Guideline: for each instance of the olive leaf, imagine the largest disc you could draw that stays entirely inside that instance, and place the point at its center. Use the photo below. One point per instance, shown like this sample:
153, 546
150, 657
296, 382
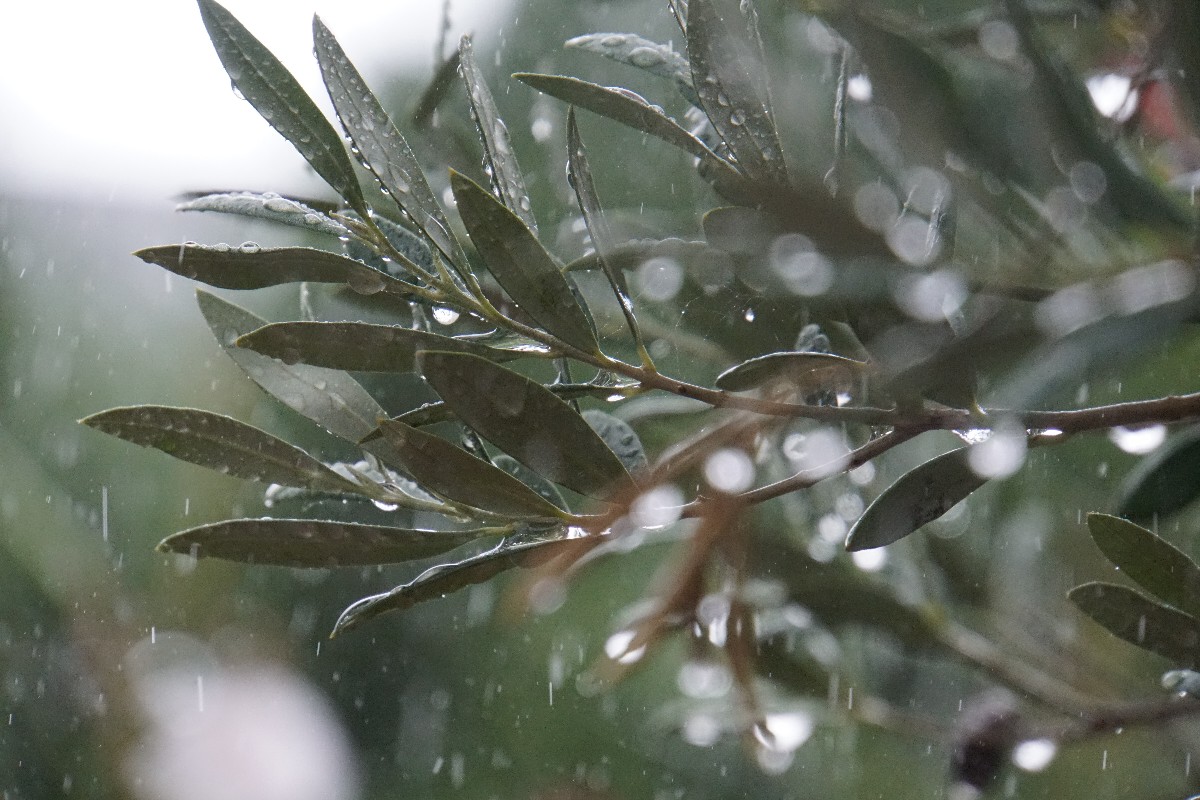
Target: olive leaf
531, 479
1164, 481
380, 145
430, 413
620, 438
500, 162
1149, 560
632, 254
634, 111
723, 73
220, 443
522, 266
525, 420
328, 397
451, 472
267, 206
918, 497
278, 97
1137, 619
408, 244
807, 370
359, 346
254, 267
629, 48
314, 543
441, 580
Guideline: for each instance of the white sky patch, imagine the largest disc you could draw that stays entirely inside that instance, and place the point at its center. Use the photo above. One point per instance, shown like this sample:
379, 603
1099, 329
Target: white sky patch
130, 98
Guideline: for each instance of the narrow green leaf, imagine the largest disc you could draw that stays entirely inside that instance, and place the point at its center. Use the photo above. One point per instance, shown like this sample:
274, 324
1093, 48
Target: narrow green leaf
220, 443
444, 78
499, 160
531, 479
267, 206
439, 581
1151, 561
629, 48
358, 346
328, 397
620, 438
380, 145
1164, 481
522, 266
723, 72
1141, 621
440, 412
632, 254
525, 420
810, 372
252, 267
275, 94
406, 243
634, 111
314, 543
451, 472
921, 496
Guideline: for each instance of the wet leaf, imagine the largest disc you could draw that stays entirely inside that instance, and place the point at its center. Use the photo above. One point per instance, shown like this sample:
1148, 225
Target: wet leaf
406, 243
632, 254
1141, 621
267, 206
270, 88
380, 145
1149, 560
629, 48
314, 543
632, 110
220, 443
358, 346
531, 479
451, 472
522, 266
525, 420
723, 72
328, 397
620, 438
252, 267
499, 160
920, 496
808, 371
437, 582
440, 412
1164, 481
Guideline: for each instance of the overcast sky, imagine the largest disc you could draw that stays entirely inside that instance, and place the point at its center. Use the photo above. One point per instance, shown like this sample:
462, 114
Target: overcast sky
127, 99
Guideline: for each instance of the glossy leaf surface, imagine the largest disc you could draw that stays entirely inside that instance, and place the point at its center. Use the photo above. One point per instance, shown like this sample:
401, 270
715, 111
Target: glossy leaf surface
275, 94
449, 471
525, 420
619, 437
919, 497
313, 543
521, 265
220, 443
1164, 481
1151, 561
1141, 621
328, 397
269, 207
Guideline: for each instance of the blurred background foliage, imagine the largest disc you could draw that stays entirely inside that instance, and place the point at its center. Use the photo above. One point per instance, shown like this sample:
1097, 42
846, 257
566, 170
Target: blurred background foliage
130, 673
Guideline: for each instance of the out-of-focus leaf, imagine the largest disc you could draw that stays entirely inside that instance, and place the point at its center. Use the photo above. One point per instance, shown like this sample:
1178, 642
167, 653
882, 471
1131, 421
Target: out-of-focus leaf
380, 146
444, 77
252, 267
525, 420
632, 110
632, 254
328, 397
220, 443
920, 496
1164, 481
723, 74
531, 479
439, 581
314, 543
1149, 560
620, 438
266, 206
629, 48
453, 473
406, 243
358, 346
808, 371
1141, 621
500, 162
270, 88
521, 265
